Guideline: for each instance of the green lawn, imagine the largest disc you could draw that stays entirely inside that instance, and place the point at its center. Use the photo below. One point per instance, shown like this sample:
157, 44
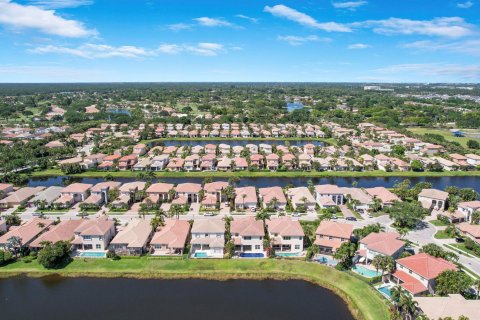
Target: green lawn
461, 246
444, 133
259, 174
438, 223
363, 300
441, 234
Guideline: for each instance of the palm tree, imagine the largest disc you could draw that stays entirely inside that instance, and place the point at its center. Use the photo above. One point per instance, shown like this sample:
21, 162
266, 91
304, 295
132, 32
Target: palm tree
143, 210
14, 244
476, 285
176, 210
158, 220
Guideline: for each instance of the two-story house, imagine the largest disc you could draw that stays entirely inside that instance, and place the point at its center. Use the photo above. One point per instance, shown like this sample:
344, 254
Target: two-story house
208, 238
247, 234
286, 235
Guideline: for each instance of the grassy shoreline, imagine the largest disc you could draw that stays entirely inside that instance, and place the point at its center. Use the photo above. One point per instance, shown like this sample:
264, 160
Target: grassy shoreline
261, 174
362, 300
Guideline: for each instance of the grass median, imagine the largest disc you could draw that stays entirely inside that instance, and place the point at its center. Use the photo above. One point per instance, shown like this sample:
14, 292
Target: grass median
363, 300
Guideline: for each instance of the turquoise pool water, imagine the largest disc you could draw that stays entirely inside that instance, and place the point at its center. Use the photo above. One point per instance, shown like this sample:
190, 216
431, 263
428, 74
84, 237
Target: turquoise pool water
93, 254
287, 254
361, 270
327, 260
200, 255
386, 291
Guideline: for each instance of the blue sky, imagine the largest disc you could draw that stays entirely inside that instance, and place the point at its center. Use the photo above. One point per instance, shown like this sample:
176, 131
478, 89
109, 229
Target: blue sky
248, 40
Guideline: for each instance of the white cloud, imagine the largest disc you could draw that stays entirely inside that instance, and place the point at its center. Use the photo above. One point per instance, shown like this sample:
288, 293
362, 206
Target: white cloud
179, 26
92, 51
443, 71
283, 11
465, 5
100, 51
299, 40
213, 22
349, 5
18, 16
358, 46
242, 16
470, 47
169, 48
451, 27
60, 4
205, 49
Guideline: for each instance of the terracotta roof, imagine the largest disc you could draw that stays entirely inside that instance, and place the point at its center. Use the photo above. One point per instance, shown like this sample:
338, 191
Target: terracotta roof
285, 226
247, 226
249, 192
174, 234
328, 189
409, 283
383, 194
135, 235
335, 229
268, 194
434, 194
77, 188
208, 226
425, 265
188, 187
471, 229
27, 231
104, 185
384, 242
216, 186
160, 188
64, 231
96, 227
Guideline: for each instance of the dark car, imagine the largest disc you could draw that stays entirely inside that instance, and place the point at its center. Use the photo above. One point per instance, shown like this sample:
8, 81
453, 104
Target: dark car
459, 240
351, 218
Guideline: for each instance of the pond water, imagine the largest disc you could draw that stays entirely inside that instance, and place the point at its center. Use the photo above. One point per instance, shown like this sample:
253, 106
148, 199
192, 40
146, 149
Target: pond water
294, 106
235, 142
119, 111
55, 298
363, 182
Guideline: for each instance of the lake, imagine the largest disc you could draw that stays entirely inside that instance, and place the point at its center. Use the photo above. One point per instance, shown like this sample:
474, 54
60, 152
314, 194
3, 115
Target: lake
362, 182
234, 142
294, 106
56, 298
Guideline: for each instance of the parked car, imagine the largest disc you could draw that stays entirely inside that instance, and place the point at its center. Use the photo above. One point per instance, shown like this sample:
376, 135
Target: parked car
37, 214
208, 214
296, 214
459, 240
351, 218
227, 204
253, 209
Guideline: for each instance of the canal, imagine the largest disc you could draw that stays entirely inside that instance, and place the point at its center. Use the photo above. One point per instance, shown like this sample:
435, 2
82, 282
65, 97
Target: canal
260, 182
56, 298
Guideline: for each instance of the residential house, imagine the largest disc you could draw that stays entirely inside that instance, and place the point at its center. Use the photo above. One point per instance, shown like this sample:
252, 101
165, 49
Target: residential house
272, 161
386, 197
26, 232
127, 162
382, 243
331, 191
5, 189
64, 231
73, 193
433, 199
133, 239
101, 189
453, 306
159, 162
216, 189
330, 235
189, 190
301, 196
208, 238
286, 235
470, 230
19, 197
273, 197
245, 197
94, 234
417, 273
160, 190
467, 208
247, 234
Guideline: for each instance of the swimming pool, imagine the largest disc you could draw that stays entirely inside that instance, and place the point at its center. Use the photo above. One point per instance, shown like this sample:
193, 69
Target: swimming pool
287, 254
368, 273
92, 254
200, 255
251, 255
326, 260
385, 291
